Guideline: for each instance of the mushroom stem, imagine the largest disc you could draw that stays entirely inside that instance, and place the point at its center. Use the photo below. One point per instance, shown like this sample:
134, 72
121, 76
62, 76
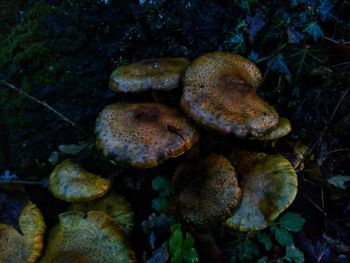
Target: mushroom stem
47, 106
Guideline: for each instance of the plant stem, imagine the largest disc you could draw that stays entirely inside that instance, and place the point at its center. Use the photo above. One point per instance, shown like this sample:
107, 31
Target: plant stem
47, 106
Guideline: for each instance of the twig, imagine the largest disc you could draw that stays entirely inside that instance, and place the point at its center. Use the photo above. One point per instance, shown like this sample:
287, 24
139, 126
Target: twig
47, 106
323, 133
21, 182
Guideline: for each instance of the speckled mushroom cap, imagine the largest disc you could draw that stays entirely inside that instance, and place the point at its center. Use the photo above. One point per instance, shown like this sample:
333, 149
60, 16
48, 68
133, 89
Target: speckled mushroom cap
219, 93
72, 183
93, 238
283, 128
143, 135
206, 191
156, 74
114, 205
24, 246
269, 186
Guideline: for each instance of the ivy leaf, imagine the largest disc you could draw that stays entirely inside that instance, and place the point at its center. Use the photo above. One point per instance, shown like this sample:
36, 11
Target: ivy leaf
253, 56
339, 181
247, 250
294, 254
314, 30
162, 185
256, 23
175, 244
160, 255
294, 37
292, 222
325, 9
189, 253
265, 240
7, 176
283, 237
160, 204
278, 64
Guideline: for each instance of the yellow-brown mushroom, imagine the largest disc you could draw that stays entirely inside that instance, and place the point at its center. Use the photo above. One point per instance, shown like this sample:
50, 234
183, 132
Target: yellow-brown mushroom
143, 135
269, 185
219, 93
206, 191
72, 183
92, 238
155, 74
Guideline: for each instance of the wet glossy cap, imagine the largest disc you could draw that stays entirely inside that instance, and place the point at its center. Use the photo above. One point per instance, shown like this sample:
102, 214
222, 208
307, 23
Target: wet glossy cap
156, 74
112, 204
143, 135
219, 93
72, 183
84, 239
24, 246
207, 190
269, 185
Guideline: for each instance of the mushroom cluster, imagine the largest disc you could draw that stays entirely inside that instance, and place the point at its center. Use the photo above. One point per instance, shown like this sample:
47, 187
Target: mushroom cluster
245, 190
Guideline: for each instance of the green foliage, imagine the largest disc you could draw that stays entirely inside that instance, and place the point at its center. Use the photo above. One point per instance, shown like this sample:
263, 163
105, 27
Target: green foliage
339, 181
250, 247
181, 248
163, 186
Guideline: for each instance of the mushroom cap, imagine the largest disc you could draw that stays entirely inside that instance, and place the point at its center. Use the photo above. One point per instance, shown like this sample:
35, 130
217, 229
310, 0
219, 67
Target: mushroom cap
283, 128
72, 183
219, 93
143, 135
269, 185
206, 191
25, 246
114, 205
157, 74
91, 238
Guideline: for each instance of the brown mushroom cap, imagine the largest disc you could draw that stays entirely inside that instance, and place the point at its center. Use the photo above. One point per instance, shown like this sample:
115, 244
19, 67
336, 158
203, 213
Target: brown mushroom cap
92, 238
157, 74
269, 185
25, 246
219, 93
72, 183
114, 205
207, 190
283, 128
143, 135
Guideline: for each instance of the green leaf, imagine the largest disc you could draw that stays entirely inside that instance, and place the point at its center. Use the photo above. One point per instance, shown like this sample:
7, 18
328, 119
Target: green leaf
176, 257
160, 204
339, 181
247, 250
314, 30
162, 185
283, 237
292, 222
190, 254
265, 240
188, 242
294, 254
175, 240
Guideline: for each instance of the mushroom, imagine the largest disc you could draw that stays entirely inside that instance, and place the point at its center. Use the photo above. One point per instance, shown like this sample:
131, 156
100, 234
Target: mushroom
206, 191
219, 93
91, 238
283, 128
269, 185
72, 183
114, 205
24, 245
143, 135
155, 74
